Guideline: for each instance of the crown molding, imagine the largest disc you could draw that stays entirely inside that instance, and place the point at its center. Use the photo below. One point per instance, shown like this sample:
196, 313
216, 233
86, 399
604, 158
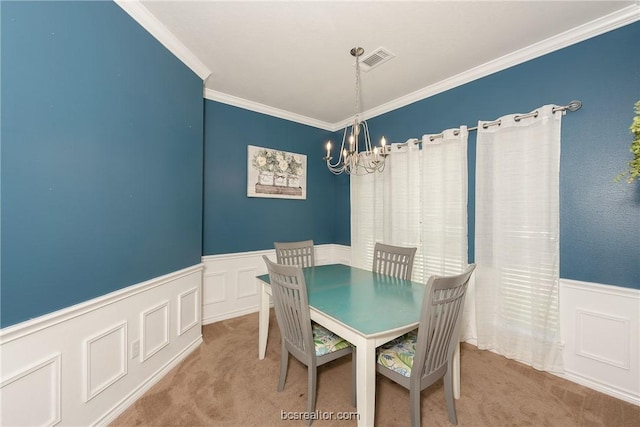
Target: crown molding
575, 35
149, 22
224, 98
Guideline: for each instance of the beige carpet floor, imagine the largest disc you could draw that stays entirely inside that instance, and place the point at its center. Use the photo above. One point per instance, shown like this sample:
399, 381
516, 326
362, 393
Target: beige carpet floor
223, 383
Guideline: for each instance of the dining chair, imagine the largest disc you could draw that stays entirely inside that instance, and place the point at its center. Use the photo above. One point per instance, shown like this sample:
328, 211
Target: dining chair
307, 341
295, 253
394, 261
421, 357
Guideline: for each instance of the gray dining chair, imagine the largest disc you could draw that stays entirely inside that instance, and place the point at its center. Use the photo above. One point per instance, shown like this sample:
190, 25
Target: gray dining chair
310, 343
394, 261
295, 253
421, 357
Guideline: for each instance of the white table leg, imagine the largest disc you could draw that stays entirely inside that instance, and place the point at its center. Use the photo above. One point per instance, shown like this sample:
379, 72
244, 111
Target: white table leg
366, 380
456, 372
263, 319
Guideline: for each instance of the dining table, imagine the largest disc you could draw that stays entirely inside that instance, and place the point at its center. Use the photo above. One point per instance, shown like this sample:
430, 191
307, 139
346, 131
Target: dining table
365, 308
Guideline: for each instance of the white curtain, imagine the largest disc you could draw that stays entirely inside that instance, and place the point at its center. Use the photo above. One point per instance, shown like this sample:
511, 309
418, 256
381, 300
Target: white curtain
444, 203
366, 217
401, 196
419, 200
516, 238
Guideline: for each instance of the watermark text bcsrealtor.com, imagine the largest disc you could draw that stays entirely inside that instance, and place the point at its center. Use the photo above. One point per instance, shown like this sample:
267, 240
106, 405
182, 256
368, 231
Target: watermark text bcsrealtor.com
319, 415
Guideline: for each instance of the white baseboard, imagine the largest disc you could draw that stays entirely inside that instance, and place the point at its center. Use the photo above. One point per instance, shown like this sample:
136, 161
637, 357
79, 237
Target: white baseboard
229, 315
601, 387
580, 378
78, 366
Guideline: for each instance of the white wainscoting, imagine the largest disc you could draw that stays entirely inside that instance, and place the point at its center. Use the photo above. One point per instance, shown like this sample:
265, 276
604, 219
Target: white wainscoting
601, 332
78, 366
600, 323
230, 289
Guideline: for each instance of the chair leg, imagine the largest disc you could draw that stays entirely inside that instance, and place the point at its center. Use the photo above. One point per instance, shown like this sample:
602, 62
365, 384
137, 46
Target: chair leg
284, 363
414, 403
311, 405
448, 396
354, 380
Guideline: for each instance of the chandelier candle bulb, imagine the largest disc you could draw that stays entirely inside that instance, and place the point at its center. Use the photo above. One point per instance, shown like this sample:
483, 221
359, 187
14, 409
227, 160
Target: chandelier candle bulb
328, 149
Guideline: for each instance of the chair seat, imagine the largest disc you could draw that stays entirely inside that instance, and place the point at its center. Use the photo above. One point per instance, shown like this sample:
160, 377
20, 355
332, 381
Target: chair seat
326, 341
398, 354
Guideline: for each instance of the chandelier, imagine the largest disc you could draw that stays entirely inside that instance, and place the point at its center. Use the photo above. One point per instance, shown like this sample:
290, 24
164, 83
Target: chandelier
350, 159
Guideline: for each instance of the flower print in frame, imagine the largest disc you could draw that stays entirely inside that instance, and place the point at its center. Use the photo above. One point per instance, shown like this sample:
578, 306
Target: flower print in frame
274, 173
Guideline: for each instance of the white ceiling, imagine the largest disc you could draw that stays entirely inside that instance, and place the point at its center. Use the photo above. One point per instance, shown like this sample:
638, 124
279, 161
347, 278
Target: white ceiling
293, 57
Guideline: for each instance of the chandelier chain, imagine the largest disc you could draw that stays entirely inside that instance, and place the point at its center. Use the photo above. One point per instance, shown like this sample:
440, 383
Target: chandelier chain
357, 106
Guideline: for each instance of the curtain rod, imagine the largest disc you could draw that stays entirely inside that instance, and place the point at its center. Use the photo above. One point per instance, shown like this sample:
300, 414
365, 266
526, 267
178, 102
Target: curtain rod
572, 106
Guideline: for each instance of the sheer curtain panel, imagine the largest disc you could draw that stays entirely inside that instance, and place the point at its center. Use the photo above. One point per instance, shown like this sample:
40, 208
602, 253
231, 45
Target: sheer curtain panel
401, 196
420, 200
444, 203
385, 206
516, 238
366, 217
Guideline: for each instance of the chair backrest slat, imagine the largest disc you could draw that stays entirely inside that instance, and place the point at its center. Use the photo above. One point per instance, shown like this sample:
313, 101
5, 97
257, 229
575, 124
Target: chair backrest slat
440, 321
393, 261
295, 253
291, 305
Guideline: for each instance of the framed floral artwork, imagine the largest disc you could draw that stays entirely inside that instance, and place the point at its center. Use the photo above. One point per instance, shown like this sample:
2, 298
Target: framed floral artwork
277, 174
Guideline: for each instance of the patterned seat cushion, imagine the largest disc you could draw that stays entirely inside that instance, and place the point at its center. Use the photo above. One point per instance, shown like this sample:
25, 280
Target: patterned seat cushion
326, 341
397, 354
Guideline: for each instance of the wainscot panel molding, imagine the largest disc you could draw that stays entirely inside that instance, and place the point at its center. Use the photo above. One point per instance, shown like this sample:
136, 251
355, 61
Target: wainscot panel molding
43, 376
230, 287
85, 364
601, 332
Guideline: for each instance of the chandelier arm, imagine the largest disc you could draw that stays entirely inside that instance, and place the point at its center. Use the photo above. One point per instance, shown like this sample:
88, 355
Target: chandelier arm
340, 155
367, 137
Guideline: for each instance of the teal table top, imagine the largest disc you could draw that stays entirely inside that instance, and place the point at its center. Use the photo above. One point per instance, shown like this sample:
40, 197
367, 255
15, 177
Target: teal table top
365, 301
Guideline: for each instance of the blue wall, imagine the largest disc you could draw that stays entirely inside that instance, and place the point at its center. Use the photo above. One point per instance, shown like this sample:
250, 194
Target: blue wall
599, 218
102, 133
102, 157
234, 222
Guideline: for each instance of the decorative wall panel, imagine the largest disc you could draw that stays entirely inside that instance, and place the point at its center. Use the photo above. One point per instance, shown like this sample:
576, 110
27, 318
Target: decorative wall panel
215, 287
41, 382
603, 338
246, 284
105, 360
188, 310
155, 330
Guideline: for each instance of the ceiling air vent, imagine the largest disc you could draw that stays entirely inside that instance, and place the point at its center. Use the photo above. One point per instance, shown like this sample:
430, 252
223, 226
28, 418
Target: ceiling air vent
375, 59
